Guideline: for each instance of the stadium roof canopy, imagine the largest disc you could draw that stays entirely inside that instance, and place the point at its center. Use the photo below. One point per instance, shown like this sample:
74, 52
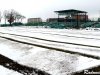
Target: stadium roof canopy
70, 11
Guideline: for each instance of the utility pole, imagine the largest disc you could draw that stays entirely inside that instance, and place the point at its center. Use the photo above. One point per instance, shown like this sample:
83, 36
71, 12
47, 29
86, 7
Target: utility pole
0, 18
99, 17
99, 13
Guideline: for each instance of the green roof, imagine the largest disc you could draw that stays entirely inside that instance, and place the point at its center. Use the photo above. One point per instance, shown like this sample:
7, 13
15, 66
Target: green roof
70, 11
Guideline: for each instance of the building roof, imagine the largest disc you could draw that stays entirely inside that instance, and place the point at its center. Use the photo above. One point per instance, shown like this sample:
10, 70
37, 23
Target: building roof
70, 11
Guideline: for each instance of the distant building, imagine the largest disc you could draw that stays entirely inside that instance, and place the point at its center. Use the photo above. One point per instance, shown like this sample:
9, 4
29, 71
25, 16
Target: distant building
73, 15
80, 17
69, 19
34, 20
99, 19
54, 20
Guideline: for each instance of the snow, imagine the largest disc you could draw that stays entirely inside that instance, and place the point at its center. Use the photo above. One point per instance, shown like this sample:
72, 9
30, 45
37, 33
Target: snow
58, 38
4, 71
53, 62
74, 48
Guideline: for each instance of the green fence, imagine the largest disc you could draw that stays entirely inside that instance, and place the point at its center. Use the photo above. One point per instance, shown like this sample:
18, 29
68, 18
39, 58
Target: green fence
57, 25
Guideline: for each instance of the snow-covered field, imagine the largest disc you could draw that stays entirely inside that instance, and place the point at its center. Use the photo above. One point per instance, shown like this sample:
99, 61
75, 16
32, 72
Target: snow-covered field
53, 62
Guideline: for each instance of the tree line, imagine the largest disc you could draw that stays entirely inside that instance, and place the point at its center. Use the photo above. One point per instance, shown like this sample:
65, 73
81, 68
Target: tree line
11, 16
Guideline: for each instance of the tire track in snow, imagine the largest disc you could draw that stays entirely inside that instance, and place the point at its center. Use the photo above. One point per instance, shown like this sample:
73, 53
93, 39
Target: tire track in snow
52, 48
25, 70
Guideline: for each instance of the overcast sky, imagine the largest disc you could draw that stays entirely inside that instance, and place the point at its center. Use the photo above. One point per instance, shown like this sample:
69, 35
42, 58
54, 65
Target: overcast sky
46, 8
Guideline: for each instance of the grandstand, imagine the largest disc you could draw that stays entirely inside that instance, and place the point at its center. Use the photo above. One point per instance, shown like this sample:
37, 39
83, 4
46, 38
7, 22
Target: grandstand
73, 15
73, 19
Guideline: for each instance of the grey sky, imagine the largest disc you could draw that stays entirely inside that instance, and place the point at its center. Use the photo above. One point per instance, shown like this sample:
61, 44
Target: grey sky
46, 8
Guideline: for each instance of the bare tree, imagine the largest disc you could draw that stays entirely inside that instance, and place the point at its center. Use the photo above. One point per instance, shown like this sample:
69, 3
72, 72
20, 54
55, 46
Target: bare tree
22, 17
12, 16
19, 17
5, 15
